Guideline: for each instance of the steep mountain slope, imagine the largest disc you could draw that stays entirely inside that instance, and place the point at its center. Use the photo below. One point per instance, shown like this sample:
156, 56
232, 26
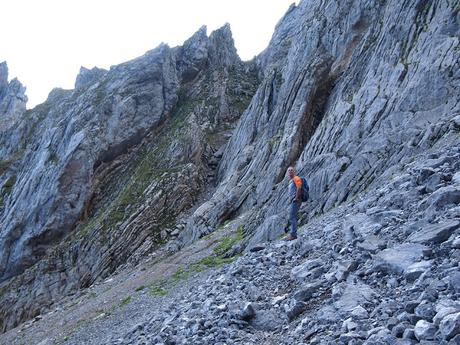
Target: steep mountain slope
361, 96
349, 90
105, 169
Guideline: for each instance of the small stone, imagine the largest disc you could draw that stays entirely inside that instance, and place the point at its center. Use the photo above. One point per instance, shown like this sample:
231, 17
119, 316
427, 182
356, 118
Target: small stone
310, 269
392, 322
436, 233
296, 310
425, 310
392, 283
416, 270
454, 282
306, 292
350, 336
348, 325
398, 259
399, 329
248, 312
359, 312
443, 311
424, 330
410, 306
456, 243
409, 334
456, 121
450, 326
222, 308
429, 295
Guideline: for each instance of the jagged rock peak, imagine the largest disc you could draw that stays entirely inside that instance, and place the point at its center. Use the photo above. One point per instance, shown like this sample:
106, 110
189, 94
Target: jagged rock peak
3, 79
222, 47
200, 50
194, 54
87, 76
12, 95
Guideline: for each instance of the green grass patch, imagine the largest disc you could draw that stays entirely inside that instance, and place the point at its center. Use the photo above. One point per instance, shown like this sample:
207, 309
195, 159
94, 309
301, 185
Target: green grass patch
125, 301
211, 261
226, 243
10, 182
4, 165
179, 275
216, 259
158, 289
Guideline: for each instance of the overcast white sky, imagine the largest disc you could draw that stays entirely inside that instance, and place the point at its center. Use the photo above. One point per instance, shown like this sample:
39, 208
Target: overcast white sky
46, 41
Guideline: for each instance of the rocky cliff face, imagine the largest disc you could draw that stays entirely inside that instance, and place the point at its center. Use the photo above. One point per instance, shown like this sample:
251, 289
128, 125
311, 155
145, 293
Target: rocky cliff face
349, 90
105, 169
361, 97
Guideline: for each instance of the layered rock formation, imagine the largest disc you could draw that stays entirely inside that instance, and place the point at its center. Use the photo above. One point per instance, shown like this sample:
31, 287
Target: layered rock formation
108, 166
348, 91
362, 97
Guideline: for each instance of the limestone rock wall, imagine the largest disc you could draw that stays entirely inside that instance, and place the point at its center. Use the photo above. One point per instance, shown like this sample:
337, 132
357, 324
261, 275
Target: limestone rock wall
105, 169
349, 89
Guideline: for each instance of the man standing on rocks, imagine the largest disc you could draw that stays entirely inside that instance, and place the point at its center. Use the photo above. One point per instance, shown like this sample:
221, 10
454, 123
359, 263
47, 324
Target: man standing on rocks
295, 200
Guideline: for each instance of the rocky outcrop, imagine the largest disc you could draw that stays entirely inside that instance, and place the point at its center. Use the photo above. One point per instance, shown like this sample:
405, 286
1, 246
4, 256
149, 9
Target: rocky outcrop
12, 99
348, 92
109, 166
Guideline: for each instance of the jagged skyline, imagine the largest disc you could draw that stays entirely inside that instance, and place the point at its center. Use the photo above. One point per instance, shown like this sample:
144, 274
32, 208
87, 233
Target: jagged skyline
52, 40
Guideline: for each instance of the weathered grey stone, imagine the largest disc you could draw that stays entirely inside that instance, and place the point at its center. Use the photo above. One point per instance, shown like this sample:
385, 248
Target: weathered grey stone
398, 330
424, 330
456, 177
425, 310
266, 320
442, 197
298, 308
443, 308
436, 233
308, 269
454, 281
354, 295
307, 291
400, 258
248, 312
456, 243
450, 326
359, 312
415, 270
409, 334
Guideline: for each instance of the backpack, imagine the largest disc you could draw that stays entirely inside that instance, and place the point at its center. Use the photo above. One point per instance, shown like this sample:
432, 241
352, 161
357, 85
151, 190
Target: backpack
305, 189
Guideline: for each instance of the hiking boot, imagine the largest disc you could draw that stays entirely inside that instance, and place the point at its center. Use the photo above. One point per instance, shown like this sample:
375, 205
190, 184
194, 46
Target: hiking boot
290, 238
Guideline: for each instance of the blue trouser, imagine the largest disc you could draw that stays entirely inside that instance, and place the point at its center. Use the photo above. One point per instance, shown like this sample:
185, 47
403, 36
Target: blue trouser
294, 209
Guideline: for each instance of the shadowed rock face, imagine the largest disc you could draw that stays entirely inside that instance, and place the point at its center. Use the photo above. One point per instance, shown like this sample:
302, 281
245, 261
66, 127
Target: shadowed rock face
109, 165
70, 132
349, 94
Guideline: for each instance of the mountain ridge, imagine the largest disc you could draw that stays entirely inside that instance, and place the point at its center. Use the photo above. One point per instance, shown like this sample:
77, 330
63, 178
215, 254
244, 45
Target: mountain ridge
361, 98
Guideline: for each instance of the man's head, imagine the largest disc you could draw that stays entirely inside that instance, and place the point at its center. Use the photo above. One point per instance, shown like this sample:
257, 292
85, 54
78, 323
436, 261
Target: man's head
290, 172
